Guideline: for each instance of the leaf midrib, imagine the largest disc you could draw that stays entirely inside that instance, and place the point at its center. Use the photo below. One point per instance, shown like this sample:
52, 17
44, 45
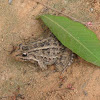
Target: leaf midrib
70, 35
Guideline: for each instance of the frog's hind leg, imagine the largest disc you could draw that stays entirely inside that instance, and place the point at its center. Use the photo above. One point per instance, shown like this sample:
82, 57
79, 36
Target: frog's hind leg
63, 62
67, 62
61, 66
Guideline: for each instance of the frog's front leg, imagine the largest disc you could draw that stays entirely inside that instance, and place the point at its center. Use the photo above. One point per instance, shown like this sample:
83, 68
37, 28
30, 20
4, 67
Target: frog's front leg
42, 65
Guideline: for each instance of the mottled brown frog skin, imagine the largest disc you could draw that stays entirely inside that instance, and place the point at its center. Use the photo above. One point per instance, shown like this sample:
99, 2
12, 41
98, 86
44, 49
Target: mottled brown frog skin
45, 51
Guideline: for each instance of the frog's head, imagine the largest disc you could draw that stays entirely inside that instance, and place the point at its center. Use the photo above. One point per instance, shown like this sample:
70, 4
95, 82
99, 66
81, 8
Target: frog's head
21, 53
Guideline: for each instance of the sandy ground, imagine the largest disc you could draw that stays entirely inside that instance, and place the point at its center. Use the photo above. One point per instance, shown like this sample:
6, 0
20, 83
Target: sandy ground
20, 80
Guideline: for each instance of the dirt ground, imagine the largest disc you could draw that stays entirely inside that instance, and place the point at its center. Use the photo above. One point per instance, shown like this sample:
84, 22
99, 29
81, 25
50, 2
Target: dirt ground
21, 80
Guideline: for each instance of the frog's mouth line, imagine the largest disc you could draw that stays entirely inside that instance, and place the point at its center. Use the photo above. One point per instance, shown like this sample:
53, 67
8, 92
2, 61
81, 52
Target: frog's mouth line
25, 59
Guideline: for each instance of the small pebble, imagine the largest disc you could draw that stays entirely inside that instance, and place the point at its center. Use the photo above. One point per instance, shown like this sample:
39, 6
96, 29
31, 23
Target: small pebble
91, 9
85, 93
10, 1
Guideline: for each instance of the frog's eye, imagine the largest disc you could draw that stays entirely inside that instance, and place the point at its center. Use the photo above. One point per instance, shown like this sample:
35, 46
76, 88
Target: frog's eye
24, 54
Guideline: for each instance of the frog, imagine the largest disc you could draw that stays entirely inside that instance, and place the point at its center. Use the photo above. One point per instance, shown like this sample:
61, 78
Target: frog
45, 52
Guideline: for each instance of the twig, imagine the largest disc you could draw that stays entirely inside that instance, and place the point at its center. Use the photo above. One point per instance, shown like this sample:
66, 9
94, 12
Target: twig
60, 12
10, 1
64, 13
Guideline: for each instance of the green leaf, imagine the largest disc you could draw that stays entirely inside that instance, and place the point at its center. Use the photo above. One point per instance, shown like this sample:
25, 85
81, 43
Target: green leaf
75, 36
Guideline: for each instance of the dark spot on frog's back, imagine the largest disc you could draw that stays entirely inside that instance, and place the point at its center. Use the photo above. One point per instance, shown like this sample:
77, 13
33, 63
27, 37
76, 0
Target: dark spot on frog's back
25, 48
47, 42
46, 51
35, 45
55, 43
41, 44
63, 49
45, 59
54, 49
